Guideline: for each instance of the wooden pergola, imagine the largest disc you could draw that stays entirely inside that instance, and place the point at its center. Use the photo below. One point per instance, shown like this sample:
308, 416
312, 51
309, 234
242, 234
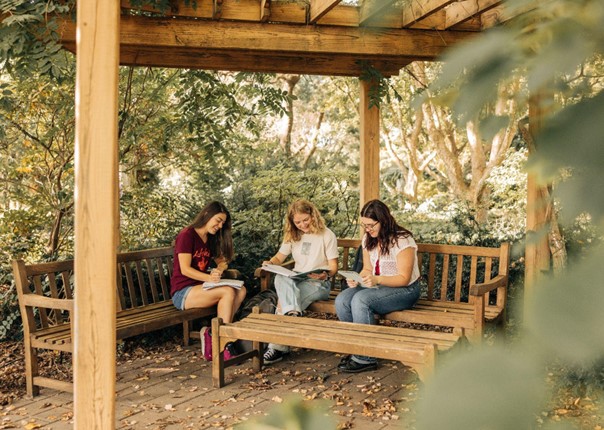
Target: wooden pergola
303, 37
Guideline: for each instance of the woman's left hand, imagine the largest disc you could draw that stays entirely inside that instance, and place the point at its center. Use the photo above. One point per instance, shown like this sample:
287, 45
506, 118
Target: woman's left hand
370, 280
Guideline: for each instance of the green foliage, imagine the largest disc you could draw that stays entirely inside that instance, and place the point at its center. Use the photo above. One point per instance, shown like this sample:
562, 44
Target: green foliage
259, 204
483, 400
29, 40
553, 42
293, 414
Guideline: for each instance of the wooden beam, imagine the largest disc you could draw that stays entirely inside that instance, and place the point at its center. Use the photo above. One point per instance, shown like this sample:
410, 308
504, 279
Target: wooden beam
345, 16
372, 10
96, 208
244, 61
159, 33
465, 10
416, 10
493, 17
370, 145
319, 8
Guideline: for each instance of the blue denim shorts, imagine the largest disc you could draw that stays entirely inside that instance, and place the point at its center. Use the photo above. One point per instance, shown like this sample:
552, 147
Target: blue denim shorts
180, 297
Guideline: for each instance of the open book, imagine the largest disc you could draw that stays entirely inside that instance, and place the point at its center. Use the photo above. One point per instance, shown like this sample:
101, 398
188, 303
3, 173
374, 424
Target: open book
349, 274
223, 283
290, 273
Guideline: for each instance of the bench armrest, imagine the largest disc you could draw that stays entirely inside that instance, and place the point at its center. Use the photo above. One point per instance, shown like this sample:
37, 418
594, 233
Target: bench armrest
497, 282
47, 302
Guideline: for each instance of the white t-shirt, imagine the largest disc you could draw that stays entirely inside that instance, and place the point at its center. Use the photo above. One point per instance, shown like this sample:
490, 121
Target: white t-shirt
388, 261
312, 251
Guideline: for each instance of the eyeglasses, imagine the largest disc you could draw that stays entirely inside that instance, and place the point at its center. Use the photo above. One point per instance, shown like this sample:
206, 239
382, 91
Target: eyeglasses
369, 227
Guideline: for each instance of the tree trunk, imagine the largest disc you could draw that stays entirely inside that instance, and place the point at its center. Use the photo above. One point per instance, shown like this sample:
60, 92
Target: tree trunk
285, 136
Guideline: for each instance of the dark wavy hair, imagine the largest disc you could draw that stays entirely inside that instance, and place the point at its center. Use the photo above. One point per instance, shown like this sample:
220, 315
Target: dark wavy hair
221, 243
390, 231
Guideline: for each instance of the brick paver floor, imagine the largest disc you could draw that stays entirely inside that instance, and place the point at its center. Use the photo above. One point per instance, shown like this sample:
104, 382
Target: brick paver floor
174, 390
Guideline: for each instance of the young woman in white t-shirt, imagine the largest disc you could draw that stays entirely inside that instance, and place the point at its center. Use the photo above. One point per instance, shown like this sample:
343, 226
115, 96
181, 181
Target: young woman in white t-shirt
312, 246
390, 277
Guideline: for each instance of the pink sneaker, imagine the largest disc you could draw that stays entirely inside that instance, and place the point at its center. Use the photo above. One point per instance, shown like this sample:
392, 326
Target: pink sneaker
206, 343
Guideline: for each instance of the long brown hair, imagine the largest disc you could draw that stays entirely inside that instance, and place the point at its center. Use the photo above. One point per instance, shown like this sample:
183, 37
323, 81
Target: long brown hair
317, 223
390, 231
221, 243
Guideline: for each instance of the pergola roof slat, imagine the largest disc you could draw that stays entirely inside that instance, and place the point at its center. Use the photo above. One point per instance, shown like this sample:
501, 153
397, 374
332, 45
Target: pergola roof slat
319, 8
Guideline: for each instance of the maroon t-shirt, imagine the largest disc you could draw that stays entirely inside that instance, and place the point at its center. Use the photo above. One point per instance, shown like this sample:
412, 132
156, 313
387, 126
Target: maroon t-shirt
189, 242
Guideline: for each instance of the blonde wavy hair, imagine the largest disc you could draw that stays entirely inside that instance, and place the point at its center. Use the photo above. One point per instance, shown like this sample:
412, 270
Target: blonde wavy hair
301, 206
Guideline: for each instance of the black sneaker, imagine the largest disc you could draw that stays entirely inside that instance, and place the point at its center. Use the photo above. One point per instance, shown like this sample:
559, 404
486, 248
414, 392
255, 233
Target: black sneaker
273, 356
344, 362
355, 367
293, 314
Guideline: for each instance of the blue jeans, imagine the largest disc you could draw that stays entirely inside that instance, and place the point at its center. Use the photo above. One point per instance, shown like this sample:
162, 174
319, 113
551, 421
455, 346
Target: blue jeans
360, 305
297, 296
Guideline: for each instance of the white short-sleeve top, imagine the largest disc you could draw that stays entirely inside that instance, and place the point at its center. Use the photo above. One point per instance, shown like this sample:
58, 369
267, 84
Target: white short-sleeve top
312, 251
387, 263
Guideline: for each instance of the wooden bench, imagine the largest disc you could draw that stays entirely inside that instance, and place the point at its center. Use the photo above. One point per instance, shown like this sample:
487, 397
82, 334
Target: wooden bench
462, 286
45, 293
415, 348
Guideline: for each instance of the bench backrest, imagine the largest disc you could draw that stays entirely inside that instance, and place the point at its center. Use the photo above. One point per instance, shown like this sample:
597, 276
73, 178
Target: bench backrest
448, 270
143, 278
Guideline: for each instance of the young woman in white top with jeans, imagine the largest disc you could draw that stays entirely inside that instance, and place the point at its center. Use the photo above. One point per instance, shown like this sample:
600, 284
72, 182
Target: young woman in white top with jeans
312, 246
390, 277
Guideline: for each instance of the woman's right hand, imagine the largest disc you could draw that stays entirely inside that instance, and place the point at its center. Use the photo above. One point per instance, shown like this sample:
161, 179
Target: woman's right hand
265, 262
352, 283
215, 275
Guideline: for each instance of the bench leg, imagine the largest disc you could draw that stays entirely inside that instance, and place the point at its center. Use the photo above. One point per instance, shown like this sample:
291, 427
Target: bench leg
186, 329
31, 369
217, 356
258, 358
426, 370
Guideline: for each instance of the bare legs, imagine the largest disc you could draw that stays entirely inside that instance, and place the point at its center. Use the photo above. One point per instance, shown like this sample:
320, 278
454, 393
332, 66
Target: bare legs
226, 299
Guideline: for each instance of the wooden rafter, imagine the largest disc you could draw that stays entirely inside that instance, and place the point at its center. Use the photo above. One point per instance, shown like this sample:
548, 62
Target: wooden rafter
373, 10
464, 10
417, 10
319, 8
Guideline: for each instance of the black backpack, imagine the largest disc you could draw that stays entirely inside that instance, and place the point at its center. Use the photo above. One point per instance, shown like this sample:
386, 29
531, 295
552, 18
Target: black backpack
267, 302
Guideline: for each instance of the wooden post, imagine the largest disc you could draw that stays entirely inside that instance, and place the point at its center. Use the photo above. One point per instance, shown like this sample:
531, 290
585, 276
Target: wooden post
537, 254
370, 146
96, 201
